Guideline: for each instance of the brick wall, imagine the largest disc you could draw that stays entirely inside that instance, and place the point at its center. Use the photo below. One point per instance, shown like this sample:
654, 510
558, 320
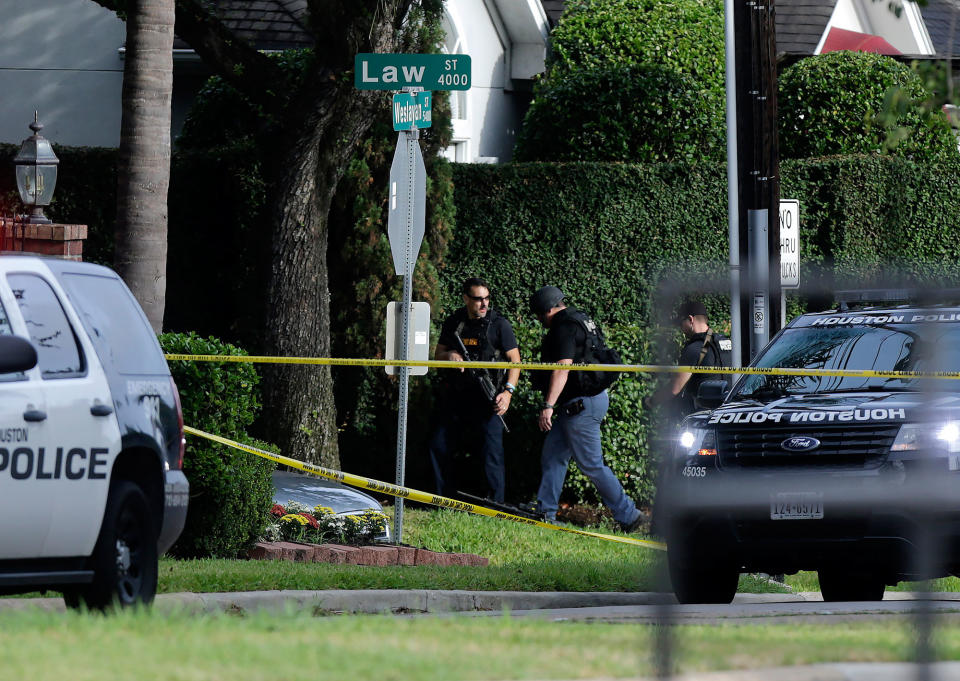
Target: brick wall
64, 241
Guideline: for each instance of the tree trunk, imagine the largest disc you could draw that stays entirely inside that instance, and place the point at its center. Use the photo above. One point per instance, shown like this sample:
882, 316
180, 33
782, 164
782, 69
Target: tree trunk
299, 410
144, 158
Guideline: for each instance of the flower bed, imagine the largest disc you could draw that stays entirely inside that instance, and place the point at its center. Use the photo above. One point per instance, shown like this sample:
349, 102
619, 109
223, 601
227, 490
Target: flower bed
296, 522
317, 535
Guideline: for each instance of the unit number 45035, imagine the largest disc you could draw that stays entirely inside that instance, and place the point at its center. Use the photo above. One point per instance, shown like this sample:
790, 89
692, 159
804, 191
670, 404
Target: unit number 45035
694, 472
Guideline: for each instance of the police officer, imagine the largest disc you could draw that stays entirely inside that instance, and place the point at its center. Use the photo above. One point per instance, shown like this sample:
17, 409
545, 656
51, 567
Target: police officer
703, 347
576, 430
465, 415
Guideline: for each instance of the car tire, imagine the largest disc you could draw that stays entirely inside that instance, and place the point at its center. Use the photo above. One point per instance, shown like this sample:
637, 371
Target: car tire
839, 585
701, 582
124, 559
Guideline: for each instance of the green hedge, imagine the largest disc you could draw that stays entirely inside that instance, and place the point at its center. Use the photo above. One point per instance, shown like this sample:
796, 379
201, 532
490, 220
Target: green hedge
230, 491
625, 240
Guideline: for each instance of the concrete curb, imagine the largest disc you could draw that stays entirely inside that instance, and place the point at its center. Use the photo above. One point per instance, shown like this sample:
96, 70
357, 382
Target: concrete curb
381, 601
422, 600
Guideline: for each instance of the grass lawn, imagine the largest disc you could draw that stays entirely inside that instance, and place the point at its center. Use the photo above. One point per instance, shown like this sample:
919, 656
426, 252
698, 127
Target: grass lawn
149, 646
522, 558
807, 581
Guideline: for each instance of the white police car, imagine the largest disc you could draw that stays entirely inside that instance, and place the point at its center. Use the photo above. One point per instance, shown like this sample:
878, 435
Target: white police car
91, 436
856, 477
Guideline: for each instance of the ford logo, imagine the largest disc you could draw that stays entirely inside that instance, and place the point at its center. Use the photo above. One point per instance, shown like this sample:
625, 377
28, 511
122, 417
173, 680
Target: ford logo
800, 444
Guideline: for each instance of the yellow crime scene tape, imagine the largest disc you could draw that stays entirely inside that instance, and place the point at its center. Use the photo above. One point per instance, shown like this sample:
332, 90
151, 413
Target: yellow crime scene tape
415, 495
549, 366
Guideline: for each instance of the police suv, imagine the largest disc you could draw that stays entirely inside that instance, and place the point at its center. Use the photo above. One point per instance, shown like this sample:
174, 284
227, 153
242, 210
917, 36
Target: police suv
91, 436
856, 477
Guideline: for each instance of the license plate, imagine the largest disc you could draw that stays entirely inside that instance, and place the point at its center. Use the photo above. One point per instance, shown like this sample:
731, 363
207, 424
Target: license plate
796, 506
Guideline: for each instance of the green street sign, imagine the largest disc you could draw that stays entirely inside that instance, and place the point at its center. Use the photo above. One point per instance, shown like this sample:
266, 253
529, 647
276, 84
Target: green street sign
412, 110
397, 71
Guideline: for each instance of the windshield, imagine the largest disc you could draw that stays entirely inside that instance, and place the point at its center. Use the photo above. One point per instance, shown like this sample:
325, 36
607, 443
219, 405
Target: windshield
895, 347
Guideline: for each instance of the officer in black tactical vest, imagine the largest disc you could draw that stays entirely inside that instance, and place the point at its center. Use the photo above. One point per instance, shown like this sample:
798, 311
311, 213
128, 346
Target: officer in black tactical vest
471, 405
703, 347
571, 414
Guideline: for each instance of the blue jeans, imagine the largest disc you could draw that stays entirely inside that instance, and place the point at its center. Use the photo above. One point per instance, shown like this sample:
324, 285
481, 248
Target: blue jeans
579, 436
468, 428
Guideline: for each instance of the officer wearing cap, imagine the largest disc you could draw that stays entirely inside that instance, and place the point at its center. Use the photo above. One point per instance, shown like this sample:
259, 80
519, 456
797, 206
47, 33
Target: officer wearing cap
701, 348
576, 430
464, 415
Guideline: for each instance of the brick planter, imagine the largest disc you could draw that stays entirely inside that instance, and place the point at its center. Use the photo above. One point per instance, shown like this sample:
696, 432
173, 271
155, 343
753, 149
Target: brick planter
361, 555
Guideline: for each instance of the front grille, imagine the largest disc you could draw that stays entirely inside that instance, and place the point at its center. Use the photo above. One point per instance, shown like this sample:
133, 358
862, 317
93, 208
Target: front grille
847, 446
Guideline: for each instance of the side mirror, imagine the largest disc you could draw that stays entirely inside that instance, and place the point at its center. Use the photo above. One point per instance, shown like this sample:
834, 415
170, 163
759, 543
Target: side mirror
16, 354
710, 394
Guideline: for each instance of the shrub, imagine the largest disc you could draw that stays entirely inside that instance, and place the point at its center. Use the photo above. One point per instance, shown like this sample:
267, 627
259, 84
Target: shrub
630, 80
641, 113
858, 103
230, 491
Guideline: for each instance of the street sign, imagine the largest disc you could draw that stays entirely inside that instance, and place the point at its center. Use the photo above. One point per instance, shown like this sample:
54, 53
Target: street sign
418, 333
397, 71
408, 204
789, 243
412, 110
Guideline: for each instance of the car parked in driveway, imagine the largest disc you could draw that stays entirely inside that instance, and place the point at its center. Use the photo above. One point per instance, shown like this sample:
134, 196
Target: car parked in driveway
313, 491
91, 436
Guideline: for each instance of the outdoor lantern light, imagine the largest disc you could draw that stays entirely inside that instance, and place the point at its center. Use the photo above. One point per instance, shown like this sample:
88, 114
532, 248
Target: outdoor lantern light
36, 167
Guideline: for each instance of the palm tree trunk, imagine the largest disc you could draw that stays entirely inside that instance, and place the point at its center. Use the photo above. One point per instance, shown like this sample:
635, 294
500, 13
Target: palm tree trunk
144, 158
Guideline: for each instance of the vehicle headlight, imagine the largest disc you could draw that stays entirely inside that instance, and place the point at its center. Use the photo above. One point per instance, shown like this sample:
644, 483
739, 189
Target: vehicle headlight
696, 442
918, 436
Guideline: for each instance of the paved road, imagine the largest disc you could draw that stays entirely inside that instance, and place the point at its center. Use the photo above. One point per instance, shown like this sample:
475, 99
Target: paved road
759, 609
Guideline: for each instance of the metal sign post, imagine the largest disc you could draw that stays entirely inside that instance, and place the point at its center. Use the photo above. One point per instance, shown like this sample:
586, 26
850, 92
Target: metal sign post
405, 227
412, 110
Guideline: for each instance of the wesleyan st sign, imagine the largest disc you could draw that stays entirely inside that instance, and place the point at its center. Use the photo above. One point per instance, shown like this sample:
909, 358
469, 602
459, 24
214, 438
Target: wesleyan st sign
397, 71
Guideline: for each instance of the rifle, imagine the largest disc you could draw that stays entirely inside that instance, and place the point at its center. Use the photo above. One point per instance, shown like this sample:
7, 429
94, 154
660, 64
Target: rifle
482, 376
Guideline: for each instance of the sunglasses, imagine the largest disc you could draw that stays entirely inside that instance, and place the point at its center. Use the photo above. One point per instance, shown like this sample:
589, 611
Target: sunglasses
478, 298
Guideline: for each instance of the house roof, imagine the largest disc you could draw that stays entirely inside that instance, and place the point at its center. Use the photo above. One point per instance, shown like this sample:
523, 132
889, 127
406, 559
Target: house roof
553, 8
942, 18
801, 23
268, 24
842, 39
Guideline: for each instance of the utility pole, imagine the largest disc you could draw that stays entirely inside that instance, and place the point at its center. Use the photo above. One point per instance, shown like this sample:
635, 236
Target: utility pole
758, 173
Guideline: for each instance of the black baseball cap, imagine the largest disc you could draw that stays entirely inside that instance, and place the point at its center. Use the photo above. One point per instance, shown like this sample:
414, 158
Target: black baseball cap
545, 299
688, 308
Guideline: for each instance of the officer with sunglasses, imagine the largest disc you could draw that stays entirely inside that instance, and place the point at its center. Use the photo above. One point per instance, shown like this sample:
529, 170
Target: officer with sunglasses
465, 418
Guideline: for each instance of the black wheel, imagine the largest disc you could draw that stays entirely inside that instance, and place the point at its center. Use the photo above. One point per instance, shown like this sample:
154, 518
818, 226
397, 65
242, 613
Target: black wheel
700, 581
838, 585
124, 559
